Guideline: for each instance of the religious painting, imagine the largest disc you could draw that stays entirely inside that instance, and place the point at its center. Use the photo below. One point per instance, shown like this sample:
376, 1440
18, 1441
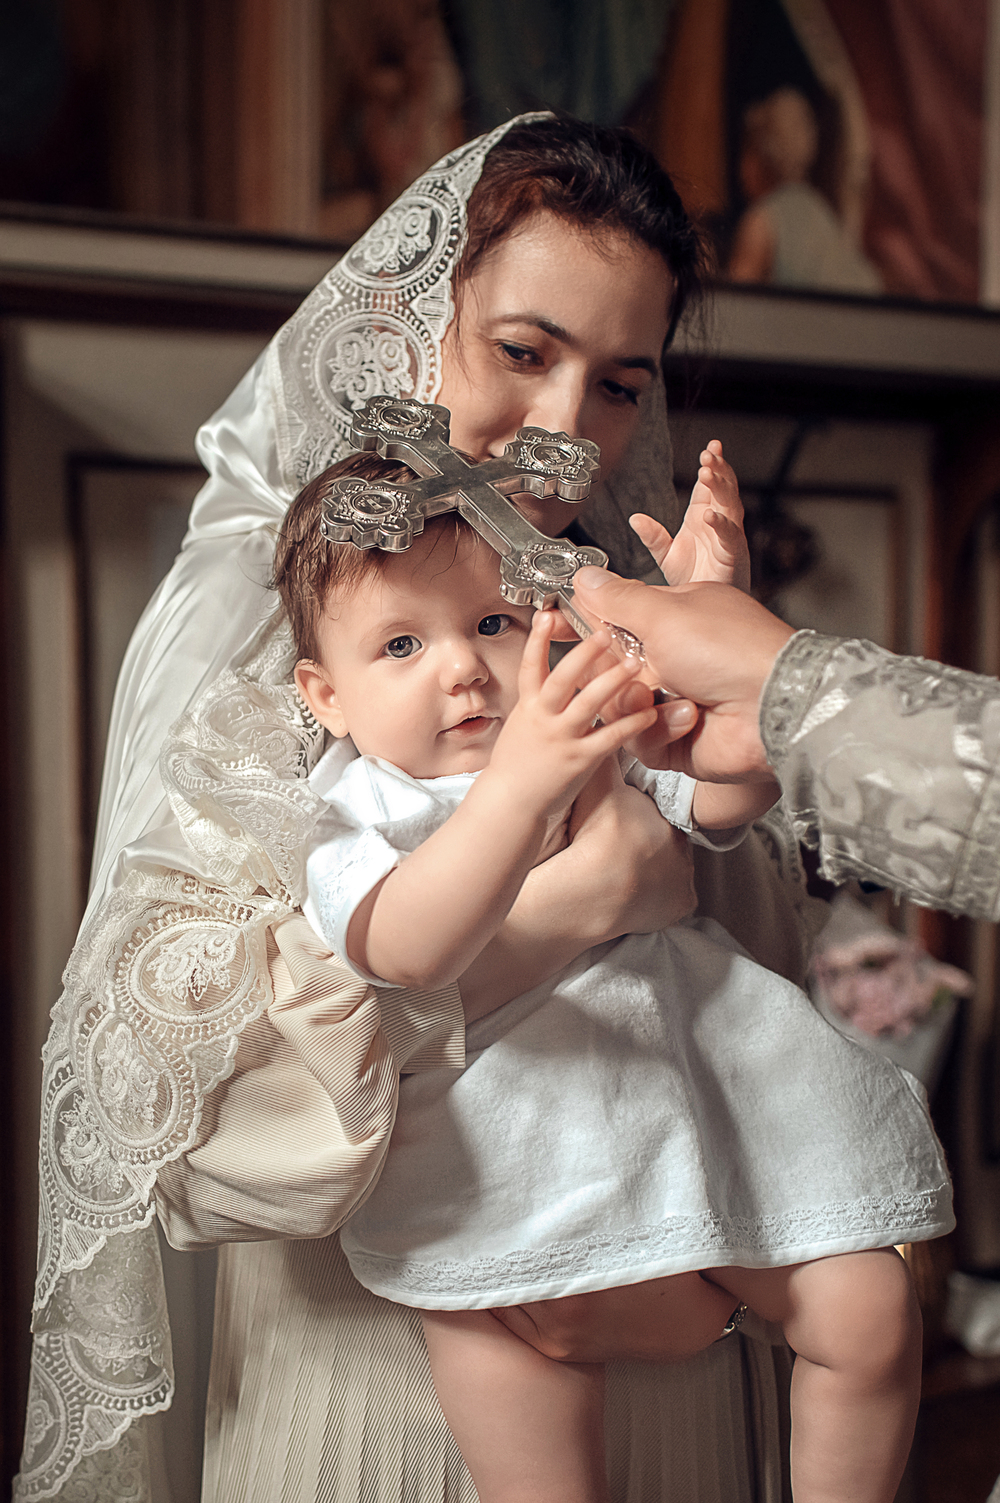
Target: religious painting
832, 146
822, 144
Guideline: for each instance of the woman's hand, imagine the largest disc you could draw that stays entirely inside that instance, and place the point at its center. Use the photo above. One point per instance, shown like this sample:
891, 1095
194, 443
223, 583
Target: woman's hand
711, 543
626, 871
631, 871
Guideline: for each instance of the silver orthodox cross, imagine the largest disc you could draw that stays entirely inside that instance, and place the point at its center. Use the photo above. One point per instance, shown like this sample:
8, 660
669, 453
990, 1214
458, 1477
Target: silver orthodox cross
534, 569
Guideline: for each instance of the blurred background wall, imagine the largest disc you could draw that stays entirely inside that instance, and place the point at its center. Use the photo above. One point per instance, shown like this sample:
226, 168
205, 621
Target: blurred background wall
309, 116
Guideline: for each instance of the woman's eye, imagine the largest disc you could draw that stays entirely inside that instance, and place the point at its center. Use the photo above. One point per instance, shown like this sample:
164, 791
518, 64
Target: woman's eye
401, 647
493, 626
520, 354
619, 393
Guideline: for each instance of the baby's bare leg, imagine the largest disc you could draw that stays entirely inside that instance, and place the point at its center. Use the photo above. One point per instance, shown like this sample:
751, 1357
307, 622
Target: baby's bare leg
660, 1320
531, 1430
854, 1325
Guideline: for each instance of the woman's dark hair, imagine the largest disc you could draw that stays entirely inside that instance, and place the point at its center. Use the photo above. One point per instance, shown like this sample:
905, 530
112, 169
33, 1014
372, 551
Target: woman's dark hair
591, 176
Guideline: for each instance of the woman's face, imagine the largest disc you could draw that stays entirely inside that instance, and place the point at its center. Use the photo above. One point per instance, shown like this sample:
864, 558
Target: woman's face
559, 328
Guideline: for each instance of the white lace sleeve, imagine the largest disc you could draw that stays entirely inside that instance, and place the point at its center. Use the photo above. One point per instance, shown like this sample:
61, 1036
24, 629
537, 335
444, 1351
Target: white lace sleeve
891, 769
673, 793
165, 976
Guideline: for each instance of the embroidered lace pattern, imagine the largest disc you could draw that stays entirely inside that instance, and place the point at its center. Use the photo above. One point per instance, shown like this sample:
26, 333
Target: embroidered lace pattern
889, 767
234, 771
693, 1240
162, 981
375, 324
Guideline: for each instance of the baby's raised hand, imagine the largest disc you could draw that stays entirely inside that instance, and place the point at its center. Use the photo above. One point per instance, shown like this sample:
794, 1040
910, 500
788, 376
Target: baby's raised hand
552, 741
710, 544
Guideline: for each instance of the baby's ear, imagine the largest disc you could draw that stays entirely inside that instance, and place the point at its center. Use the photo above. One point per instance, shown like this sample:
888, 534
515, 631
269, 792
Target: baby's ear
319, 694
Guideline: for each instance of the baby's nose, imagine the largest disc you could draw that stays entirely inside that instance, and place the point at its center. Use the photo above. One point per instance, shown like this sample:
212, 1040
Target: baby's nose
464, 665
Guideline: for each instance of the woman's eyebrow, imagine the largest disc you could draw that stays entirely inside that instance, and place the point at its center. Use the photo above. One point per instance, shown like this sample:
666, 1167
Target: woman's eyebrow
627, 362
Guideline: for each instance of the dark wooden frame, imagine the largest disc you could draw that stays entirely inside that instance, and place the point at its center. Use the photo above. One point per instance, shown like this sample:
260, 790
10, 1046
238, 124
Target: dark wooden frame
79, 467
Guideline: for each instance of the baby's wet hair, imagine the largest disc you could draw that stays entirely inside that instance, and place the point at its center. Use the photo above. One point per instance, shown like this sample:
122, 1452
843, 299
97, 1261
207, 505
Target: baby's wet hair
310, 571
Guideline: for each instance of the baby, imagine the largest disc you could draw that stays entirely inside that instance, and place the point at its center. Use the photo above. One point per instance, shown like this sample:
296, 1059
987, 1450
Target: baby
660, 1109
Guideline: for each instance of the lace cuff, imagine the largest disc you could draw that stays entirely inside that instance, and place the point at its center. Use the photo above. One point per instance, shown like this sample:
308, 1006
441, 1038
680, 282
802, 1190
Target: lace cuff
890, 769
789, 692
673, 794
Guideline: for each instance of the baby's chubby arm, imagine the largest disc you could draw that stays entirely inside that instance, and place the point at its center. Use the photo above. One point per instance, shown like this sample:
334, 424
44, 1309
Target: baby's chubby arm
425, 923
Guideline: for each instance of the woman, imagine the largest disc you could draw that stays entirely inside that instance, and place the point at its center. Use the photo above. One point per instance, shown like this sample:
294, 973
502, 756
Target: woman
318, 1389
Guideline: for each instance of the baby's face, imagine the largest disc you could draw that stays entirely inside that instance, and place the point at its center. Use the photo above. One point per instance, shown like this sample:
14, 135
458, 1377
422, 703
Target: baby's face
422, 659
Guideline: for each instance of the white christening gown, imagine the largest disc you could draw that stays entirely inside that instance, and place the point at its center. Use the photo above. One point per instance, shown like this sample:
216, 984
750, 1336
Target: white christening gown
663, 1104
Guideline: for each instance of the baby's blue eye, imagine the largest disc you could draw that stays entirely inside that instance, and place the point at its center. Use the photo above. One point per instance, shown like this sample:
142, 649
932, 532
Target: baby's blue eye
401, 647
493, 626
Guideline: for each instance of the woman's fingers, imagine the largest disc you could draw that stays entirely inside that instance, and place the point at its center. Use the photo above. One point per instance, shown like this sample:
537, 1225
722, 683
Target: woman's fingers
667, 1319
653, 535
517, 1319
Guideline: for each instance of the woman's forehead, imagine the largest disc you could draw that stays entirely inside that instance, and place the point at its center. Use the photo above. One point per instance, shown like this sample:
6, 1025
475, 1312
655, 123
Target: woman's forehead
575, 280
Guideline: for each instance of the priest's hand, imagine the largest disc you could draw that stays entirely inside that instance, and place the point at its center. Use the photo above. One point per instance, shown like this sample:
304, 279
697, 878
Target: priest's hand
711, 645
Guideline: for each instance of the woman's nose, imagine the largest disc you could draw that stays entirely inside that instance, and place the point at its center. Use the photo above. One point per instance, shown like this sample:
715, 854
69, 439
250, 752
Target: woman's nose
558, 408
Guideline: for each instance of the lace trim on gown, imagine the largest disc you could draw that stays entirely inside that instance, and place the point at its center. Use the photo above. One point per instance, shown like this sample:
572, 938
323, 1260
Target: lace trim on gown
160, 985
796, 1235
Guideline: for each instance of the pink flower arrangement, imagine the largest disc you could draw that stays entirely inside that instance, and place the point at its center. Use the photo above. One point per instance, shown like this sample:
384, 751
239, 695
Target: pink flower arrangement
877, 979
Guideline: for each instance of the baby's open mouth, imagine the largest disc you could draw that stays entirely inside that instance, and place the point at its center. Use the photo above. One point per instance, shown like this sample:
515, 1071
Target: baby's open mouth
471, 725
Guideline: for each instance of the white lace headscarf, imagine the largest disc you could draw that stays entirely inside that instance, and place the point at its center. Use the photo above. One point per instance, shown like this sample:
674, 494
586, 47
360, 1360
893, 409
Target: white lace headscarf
204, 817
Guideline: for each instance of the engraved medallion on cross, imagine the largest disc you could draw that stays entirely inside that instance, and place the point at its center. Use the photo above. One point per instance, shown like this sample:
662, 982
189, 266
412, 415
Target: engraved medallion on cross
534, 569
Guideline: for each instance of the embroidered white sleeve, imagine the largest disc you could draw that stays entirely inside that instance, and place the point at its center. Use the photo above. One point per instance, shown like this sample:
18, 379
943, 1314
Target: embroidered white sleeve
891, 768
